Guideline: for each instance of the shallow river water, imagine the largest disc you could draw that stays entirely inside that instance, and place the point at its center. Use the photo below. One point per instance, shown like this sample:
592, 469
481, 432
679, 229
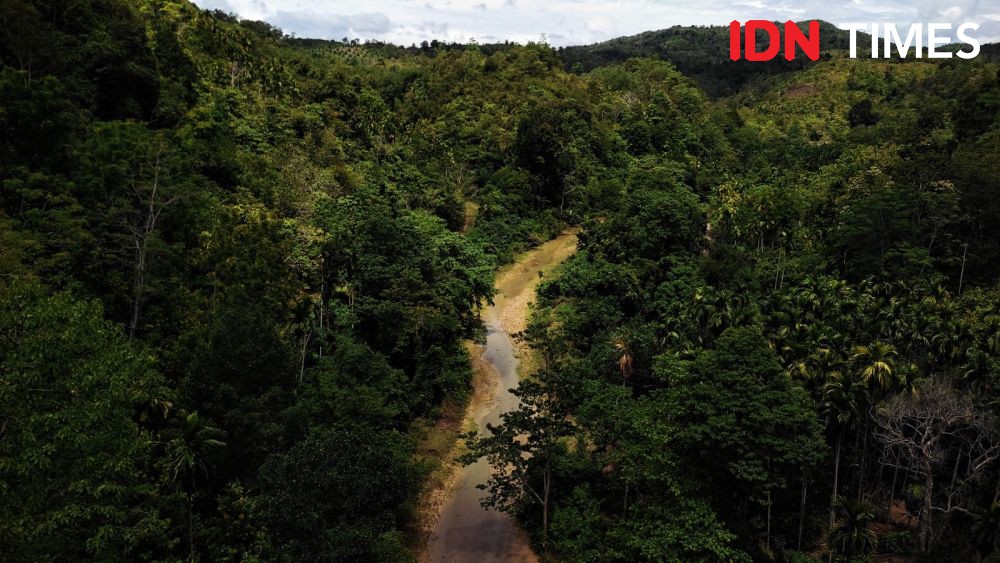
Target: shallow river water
465, 531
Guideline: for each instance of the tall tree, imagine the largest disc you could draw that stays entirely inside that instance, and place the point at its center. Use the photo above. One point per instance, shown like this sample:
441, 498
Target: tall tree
924, 430
844, 399
523, 449
187, 452
74, 461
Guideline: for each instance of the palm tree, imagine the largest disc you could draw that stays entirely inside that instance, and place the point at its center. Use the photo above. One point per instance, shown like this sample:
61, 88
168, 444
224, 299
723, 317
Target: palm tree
186, 453
843, 400
624, 357
851, 535
977, 369
992, 332
822, 360
951, 336
986, 529
876, 364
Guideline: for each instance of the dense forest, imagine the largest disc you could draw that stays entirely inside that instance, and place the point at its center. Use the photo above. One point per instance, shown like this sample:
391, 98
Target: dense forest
238, 269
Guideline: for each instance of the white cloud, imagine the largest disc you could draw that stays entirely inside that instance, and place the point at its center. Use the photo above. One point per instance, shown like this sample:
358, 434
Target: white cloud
600, 24
332, 26
952, 12
568, 22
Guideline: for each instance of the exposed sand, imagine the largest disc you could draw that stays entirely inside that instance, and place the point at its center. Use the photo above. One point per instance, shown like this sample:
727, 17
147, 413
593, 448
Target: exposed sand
516, 284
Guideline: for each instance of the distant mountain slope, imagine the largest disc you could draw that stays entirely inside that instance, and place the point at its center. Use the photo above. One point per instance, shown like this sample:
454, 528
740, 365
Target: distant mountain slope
699, 52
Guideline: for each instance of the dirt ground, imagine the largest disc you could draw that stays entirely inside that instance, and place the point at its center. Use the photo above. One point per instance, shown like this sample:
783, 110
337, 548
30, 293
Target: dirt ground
516, 287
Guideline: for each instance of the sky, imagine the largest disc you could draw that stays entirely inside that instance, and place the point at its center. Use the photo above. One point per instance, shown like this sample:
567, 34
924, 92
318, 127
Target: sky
578, 22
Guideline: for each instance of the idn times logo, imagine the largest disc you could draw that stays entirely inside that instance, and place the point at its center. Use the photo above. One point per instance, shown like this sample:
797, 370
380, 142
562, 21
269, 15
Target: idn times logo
883, 38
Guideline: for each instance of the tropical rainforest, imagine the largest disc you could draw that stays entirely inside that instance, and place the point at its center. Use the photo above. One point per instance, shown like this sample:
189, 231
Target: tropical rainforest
238, 270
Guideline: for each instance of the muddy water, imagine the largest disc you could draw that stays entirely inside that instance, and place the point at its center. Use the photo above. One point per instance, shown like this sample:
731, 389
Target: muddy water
465, 531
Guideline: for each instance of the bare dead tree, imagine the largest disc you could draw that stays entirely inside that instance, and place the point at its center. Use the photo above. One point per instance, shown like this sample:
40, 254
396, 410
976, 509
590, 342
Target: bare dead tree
15, 17
459, 176
146, 182
933, 430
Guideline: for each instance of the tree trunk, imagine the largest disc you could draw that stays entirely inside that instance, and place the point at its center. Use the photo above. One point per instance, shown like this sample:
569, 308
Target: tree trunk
302, 363
546, 485
836, 475
190, 508
864, 461
954, 473
768, 541
892, 489
961, 276
925, 510
802, 510
322, 311
190, 527
139, 279
141, 235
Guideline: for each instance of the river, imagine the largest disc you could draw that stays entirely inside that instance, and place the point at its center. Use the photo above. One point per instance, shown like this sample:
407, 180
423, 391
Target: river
465, 531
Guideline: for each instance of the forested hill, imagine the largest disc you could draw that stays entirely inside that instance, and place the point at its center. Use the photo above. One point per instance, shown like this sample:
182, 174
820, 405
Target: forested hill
237, 273
701, 52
